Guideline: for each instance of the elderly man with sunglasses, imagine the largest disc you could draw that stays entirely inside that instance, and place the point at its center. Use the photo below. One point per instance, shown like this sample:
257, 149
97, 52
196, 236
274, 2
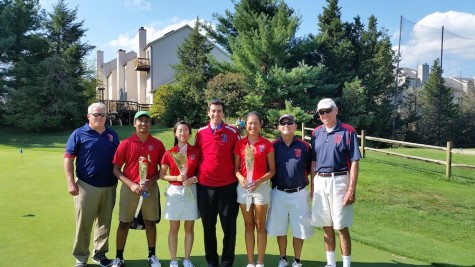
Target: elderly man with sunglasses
335, 171
289, 197
92, 147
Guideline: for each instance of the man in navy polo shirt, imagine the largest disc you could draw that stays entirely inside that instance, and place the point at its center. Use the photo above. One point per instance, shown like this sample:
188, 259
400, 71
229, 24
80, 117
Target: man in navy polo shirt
289, 197
93, 147
335, 171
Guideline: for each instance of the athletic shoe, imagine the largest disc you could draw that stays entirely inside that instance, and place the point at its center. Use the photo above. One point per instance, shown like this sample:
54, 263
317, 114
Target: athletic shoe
154, 262
187, 263
118, 262
80, 264
328, 265
260, 265
250, 265
102, 260
283, 263
295, 264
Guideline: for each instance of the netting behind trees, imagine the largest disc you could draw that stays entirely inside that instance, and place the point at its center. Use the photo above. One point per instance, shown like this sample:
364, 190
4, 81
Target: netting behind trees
422, 43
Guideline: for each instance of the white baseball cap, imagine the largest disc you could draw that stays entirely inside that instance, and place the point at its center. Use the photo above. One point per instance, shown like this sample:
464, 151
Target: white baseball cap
326, 103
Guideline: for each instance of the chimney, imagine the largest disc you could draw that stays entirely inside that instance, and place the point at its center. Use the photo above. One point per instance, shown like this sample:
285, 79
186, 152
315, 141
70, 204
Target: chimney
423, 73
120, 73
142, 42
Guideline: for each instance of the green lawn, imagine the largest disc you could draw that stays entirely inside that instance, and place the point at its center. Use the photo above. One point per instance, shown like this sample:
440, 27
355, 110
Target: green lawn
407, 213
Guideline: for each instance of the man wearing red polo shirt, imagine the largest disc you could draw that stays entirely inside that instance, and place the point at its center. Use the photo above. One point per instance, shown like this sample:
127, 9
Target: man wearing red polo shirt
149, 150
335, 171
216, 190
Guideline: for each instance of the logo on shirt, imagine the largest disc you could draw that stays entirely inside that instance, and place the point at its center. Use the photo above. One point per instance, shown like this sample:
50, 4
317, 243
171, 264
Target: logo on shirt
298, 153
338, 139
111, 138
262, 148
224, 138
150, 147
192, 157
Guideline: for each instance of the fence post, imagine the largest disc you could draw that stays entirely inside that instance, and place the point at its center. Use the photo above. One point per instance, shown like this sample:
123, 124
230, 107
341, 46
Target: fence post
363, 137
303, 131
448, 160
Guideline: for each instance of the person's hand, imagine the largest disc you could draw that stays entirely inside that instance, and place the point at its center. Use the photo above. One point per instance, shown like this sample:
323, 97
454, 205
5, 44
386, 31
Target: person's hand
189, 181
182, 177
251, 186
350, 198
73, 189
136, 188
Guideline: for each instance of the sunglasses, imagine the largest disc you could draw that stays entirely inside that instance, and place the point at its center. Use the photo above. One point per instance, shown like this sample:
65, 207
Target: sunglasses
325, 111
286, 123
98, 114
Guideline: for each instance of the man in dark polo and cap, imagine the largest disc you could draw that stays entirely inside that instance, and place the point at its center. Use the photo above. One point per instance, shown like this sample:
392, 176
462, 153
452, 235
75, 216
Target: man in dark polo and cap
289, 203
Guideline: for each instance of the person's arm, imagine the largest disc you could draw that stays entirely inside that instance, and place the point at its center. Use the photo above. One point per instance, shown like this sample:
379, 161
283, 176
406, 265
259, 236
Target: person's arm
237, 168
350, 196
73, 188
134, 187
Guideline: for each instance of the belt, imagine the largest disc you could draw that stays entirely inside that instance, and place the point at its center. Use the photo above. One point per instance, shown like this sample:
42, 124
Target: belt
292, 190
331, 174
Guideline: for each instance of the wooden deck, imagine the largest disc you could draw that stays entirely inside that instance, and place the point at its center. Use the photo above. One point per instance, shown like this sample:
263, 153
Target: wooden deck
122, 112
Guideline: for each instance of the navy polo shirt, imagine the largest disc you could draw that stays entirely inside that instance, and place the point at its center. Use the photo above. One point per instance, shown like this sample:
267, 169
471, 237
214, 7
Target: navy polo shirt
291, 164
94, 153
334, 151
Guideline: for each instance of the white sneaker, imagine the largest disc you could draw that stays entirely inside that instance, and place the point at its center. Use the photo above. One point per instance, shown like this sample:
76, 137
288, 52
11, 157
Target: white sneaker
154, 262
187, 263
250, 265
283, 263
328, 265
118, 262
174, 264
295, 264
260, 265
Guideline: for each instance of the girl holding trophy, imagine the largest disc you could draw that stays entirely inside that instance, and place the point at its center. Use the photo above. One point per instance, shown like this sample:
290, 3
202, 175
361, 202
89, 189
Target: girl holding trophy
254, 166
182, 164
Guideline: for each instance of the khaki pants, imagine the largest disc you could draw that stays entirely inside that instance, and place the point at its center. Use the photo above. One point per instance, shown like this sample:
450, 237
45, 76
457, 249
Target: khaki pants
93, 204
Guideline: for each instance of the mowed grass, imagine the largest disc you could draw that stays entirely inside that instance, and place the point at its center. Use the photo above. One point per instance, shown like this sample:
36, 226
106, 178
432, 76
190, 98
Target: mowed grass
407, 213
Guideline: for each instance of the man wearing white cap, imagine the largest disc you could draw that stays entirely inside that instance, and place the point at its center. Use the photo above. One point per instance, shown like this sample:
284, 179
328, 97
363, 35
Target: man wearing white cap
335, 171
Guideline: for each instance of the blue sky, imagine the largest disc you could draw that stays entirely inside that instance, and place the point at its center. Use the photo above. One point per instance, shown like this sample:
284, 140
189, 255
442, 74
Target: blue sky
113, 24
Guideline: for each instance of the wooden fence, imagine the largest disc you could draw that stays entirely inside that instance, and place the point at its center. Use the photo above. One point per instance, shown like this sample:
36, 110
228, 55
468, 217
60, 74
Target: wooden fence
448, 159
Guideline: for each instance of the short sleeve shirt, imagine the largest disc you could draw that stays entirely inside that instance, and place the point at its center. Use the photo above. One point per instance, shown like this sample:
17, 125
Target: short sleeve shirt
334, 151
291, 164
260, 150
192, 160
94, 153
131, 149
216, 168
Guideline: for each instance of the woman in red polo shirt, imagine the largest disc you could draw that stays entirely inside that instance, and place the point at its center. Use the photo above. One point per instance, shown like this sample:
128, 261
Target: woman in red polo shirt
254, 165
182, 163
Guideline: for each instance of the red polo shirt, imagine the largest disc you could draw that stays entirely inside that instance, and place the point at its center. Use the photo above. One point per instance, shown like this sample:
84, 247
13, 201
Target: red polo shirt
261, 148
131, 149
192, 160
217, 159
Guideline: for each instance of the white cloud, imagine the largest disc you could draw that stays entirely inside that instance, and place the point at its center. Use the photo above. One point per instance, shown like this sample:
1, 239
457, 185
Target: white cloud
421, 42
138, 4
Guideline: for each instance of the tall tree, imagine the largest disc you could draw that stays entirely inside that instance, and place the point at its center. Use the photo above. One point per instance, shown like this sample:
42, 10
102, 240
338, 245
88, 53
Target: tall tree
438, 110
191, 75
57, 83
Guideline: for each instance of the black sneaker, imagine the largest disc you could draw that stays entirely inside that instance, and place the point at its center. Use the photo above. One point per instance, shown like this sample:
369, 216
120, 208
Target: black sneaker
102, 261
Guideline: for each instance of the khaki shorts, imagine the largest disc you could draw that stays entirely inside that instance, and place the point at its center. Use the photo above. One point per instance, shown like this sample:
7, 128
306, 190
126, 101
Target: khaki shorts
129, 201
289, 209
327, 207
181, 203
260, 196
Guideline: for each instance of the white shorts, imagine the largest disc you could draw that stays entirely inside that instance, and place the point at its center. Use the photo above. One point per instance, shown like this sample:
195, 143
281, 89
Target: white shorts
181, 203
327, 207
260, 195
293, 208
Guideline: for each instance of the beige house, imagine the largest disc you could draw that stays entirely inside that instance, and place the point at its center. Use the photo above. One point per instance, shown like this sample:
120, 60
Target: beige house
129, 80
